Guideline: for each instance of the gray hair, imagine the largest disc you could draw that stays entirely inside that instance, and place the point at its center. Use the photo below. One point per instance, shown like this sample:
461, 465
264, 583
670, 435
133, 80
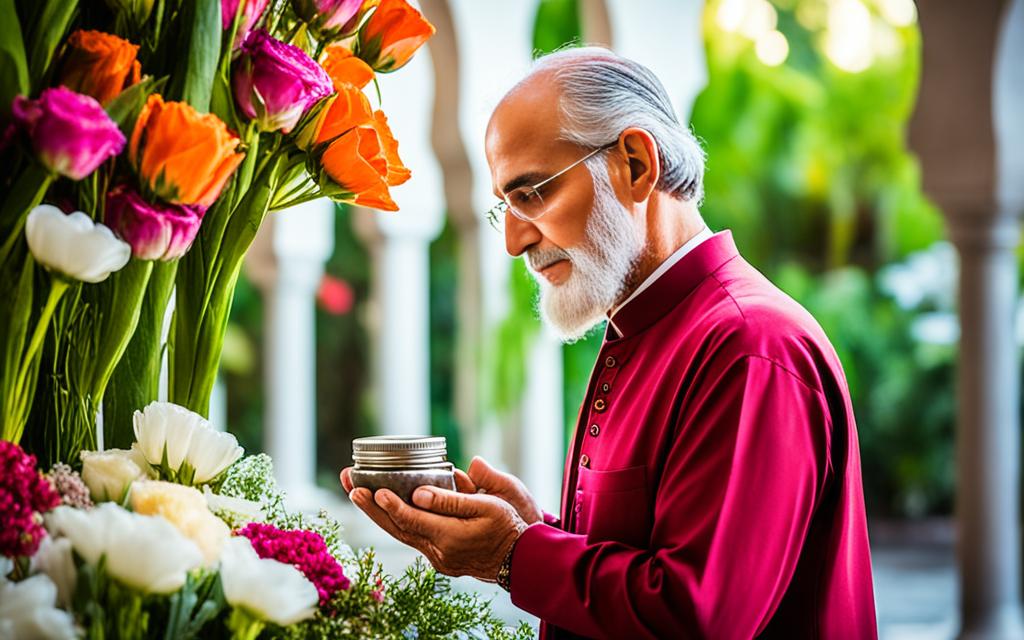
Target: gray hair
604, 93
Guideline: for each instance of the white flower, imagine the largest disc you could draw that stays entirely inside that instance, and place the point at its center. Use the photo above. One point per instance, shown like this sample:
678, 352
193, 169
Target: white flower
193, 450
185, 508
54, 558
237, 512
27, 610
74, 245
108, 474
211, 452
264, 588
142, 552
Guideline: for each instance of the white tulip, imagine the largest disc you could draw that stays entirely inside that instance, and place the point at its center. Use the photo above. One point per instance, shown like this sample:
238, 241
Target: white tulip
108, 474
74, 245
193, 451
211, 452
27, 610
54, 558
265, 588
143, 552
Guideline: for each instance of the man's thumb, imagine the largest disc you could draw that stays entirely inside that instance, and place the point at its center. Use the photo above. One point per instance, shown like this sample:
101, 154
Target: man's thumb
484, 476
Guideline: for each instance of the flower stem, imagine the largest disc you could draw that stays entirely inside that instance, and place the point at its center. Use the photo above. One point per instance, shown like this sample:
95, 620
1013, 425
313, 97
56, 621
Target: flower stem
244, 626
36, 197
57, 289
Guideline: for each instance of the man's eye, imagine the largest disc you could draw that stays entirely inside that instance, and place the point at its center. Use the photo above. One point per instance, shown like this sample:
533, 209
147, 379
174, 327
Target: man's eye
523, 197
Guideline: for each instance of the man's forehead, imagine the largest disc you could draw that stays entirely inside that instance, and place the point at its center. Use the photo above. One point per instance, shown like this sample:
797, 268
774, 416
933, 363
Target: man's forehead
523, 131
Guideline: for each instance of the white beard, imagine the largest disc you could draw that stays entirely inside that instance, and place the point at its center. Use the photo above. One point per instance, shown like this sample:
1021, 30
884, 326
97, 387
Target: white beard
601, 265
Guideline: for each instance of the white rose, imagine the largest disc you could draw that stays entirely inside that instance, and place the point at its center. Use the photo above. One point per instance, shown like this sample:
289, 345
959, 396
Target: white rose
264, 588
186, 509
54, 558
74, 245
193, 451
27, 610
143, 552
108, 474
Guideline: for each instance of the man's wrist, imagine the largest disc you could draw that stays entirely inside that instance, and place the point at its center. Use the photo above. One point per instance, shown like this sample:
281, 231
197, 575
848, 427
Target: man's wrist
504, 578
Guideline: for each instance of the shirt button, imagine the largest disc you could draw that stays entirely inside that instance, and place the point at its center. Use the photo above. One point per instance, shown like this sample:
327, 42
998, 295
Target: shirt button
609, 361
584, 460
599, 405
594, 430
605, 388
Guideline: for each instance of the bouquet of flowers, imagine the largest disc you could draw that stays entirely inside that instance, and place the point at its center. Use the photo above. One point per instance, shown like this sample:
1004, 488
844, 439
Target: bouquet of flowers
180, 536
142, 145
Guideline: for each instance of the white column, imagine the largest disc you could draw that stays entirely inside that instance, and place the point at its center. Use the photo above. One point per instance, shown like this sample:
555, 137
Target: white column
403, 371
542, 436
287, 263
400, 244
494, 54
988, 380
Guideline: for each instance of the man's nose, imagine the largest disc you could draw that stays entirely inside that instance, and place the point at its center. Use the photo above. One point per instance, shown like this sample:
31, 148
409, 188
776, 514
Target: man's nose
520, 235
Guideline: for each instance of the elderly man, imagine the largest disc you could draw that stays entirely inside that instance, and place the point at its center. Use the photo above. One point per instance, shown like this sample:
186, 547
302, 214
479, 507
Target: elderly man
713, 485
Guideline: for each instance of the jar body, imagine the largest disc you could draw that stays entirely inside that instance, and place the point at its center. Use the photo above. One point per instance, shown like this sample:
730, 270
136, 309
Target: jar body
404, 481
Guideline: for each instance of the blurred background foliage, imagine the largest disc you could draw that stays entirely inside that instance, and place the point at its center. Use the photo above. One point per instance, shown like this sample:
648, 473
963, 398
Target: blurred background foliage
804, 124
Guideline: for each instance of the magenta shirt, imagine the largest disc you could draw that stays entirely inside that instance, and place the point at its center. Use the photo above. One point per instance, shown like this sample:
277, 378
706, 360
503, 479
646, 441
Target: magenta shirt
713, 486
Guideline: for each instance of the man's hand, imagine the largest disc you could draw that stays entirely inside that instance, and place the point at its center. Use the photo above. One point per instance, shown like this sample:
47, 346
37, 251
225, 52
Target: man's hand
461, 534
483, 478
487, 479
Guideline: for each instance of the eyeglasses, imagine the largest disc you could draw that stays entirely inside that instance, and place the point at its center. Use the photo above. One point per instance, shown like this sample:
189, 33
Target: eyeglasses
526, 202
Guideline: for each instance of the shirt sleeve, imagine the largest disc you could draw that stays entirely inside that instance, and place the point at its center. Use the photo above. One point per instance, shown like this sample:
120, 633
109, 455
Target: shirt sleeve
732, 509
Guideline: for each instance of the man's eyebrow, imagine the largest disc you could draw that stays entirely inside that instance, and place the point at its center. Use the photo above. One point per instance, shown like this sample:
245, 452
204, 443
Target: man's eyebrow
532, 177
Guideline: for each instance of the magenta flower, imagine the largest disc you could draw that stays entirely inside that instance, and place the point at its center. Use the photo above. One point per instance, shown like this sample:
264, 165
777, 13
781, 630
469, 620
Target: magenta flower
24, 496
155, 231
71, 133
252, 10
305, 550
327, 15
276, 83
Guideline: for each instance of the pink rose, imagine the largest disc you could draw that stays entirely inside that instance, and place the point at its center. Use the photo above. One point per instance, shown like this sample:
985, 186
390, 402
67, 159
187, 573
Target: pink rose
71, 133
155, 231
276, 83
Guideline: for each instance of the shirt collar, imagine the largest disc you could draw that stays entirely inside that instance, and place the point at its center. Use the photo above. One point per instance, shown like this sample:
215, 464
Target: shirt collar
671, 282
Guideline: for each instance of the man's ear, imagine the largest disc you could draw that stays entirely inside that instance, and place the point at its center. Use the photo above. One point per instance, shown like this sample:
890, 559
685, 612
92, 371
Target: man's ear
641, 153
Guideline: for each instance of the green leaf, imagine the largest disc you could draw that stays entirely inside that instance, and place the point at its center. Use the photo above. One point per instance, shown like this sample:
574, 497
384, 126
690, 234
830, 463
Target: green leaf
136, 378
13, 65
125, 108
50, 30
199, 66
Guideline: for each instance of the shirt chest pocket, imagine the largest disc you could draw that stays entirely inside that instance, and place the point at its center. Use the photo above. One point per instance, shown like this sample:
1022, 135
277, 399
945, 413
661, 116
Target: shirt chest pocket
613, 506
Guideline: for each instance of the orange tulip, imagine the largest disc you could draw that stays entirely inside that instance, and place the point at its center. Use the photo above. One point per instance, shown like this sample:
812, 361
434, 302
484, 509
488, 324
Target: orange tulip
182, 156
392, 35
335, 115
344, 68
364, 162
99, 65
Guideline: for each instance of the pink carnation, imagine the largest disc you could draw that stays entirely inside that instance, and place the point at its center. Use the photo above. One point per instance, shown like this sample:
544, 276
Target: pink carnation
305, 550
24, 496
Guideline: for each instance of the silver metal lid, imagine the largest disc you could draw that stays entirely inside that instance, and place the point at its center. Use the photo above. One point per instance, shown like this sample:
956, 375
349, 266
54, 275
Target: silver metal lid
400, 452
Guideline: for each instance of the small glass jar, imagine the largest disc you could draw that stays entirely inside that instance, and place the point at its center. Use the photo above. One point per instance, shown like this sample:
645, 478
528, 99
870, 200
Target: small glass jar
401, 463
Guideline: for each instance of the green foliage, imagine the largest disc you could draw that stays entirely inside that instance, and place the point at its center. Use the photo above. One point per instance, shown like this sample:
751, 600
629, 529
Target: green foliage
418, 604
557, 24
807, 165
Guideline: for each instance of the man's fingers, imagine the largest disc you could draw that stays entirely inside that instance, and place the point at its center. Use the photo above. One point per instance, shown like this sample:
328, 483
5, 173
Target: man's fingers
363, 499
487, 477
346, 479
463, 484
450, 503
